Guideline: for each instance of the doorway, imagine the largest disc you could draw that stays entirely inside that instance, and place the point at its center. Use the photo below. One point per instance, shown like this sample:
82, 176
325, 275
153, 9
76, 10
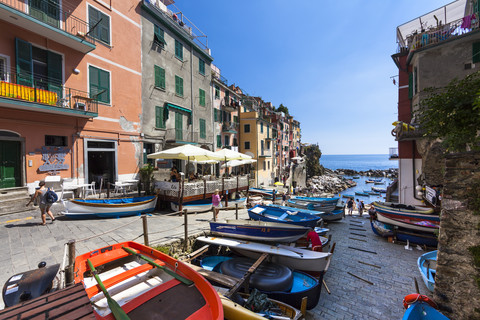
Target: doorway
10, 160
101, 161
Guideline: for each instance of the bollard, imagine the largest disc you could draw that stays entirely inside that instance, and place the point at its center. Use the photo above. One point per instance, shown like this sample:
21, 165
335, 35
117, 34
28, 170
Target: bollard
186, 229
236, 211
145, 231
71, 262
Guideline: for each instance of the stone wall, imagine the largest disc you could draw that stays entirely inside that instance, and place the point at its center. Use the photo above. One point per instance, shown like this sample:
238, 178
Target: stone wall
456, 289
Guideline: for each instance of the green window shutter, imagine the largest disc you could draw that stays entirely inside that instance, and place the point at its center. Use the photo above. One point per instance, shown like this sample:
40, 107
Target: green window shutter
410, 85
201, 93
201, 66
159, 117
178, 50
101, 24
54, 70
215, 115
219, 141
158, 35
23, 58
159, 77
99, 83
235, 119
179, 86
178, 126
217, 92
203, 129
476, 51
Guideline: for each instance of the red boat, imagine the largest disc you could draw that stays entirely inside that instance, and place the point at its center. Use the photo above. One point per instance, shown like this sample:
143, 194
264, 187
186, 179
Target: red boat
131, 281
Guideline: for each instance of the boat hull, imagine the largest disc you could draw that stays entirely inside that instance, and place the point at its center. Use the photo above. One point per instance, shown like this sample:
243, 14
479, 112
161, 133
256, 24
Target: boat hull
317, 204
193, 206
142, 290
109, 208
242, 203
427, 266
410, 224
258, 230
295, 258
422, 310
273, 214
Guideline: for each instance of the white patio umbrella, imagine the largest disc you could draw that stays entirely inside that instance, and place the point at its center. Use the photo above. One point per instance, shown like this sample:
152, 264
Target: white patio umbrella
228, 155
236, 163
186, 152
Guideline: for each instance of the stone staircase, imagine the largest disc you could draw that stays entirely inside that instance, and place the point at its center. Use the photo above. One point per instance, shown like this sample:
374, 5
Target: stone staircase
14, 200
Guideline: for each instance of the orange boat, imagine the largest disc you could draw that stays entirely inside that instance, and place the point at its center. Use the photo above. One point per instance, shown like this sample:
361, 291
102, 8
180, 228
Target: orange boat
131, 281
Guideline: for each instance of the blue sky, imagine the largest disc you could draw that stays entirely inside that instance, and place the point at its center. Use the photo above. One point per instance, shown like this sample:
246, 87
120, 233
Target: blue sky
328, 61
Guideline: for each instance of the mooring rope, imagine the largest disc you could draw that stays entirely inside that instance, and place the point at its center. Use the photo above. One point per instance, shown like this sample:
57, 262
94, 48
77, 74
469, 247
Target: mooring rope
111, 230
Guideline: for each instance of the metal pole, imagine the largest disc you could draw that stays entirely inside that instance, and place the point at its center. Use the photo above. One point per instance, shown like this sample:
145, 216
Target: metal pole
236, 211
186, 229
71, 262
145, 230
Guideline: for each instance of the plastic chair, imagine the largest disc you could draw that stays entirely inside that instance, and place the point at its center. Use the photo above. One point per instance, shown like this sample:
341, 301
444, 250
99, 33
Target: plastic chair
89, 189
62, 195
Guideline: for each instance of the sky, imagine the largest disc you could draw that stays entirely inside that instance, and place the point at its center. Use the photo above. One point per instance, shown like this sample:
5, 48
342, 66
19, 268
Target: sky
328, 61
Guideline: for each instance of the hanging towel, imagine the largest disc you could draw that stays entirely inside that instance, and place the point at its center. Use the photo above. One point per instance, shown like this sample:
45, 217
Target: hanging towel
467, 22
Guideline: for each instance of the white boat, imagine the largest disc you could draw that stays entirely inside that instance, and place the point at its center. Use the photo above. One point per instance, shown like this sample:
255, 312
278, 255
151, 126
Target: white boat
193, 206
407, 223
109, 208
295, 258
242, 203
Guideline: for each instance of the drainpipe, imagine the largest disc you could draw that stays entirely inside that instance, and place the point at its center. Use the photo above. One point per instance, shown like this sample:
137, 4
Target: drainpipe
191, 92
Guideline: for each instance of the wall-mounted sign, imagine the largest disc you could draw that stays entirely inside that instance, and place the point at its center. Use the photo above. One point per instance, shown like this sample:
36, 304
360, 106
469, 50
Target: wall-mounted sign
431, 195
54, 158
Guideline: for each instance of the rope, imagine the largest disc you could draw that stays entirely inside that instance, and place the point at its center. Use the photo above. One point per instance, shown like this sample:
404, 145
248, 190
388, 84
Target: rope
111, 230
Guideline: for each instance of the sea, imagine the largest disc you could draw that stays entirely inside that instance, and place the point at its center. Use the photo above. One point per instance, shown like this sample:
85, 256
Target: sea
361, 162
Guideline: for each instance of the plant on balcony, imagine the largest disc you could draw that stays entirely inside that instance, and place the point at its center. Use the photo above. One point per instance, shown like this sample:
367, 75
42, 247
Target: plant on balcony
452, 114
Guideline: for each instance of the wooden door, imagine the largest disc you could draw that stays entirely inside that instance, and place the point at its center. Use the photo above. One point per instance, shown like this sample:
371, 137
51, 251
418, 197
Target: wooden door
10, 164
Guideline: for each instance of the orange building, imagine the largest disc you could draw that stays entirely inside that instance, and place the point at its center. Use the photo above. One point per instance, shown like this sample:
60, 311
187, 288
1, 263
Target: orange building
70, 90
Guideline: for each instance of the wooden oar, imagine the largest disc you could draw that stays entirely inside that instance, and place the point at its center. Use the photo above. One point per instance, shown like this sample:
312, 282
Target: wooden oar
117, 311
170, 272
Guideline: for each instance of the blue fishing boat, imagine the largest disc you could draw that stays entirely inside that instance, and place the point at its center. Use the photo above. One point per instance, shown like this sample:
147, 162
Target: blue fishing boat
420, 307
334, 215
193, 206
404, 235
277, 281
427, 264
272, 214
377, 189
258, 230
381, 229
261, 191
359, 193
313, 203
109, 208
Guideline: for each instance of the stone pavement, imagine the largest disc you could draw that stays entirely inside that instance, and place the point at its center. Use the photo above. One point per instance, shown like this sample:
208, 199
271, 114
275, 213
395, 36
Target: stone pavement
25, 243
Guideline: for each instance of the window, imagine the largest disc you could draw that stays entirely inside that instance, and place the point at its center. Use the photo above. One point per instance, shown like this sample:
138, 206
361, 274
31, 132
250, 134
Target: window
56, 141
217, 92
235, 119
219, 141
159, 117
46, 11
178, 50
235, 142
159, 77
99, 84
201, 94
410, 85
215, 115
247, 145
99, 24
261, 127
227, 141
3, 68
415, 81
178, 86
268, 145
201, 66
158, 36
476, 51
264, 166
203, 129
268, 164
246, 128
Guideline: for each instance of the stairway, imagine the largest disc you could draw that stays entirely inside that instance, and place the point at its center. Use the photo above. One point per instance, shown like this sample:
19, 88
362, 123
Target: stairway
14, 200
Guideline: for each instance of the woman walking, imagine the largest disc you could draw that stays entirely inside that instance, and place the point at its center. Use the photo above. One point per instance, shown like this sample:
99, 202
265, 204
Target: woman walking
44, 206
216, 198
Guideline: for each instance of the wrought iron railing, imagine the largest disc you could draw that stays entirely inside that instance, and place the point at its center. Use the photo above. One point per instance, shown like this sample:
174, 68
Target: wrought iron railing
51, 14
26, 87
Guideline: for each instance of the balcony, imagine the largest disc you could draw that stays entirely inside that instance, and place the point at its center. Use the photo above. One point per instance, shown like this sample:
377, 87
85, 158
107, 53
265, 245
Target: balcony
393, 154
229, 104
48, 20
45, 97
230, 127
180, 136
406, 132
265, 153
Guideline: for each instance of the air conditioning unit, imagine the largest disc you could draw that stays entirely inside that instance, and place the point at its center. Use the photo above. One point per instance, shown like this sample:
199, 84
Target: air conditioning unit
80, 105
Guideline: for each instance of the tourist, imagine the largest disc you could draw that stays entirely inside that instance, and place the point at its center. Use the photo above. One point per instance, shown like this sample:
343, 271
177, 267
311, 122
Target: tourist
216, 203
44, 206
174, 175
350, 206
360, 207
284, 198
372, 212
313, 237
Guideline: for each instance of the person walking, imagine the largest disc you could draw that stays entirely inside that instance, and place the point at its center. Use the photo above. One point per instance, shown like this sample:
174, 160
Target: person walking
284, 198
350, 206
216, 202
360, 207
43, 205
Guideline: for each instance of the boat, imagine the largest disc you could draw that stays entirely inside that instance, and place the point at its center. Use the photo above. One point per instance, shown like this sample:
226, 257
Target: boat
242, 203
312, 203
355, 177
412, 224
408, 217
109, 208
369, 181
403, 209
427, 264
405, 235
421, 307
145, 284
261, 191
378, 182
336, 214
380, 190
373, 193
277, 281
193, 206
348, 196
258, 230
273, 214
360, 193
381, 229
295, 258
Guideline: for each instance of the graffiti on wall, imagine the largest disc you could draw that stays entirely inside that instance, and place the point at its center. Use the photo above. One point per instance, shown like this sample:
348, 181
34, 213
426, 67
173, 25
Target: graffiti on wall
54, 158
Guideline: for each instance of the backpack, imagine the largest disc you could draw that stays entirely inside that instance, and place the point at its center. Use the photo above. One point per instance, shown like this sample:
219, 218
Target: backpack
50, 196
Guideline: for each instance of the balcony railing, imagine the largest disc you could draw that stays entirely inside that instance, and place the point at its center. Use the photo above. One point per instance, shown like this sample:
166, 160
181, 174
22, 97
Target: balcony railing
405, 131
265, 153
229, 126
46, 93
230, 103
52, 15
